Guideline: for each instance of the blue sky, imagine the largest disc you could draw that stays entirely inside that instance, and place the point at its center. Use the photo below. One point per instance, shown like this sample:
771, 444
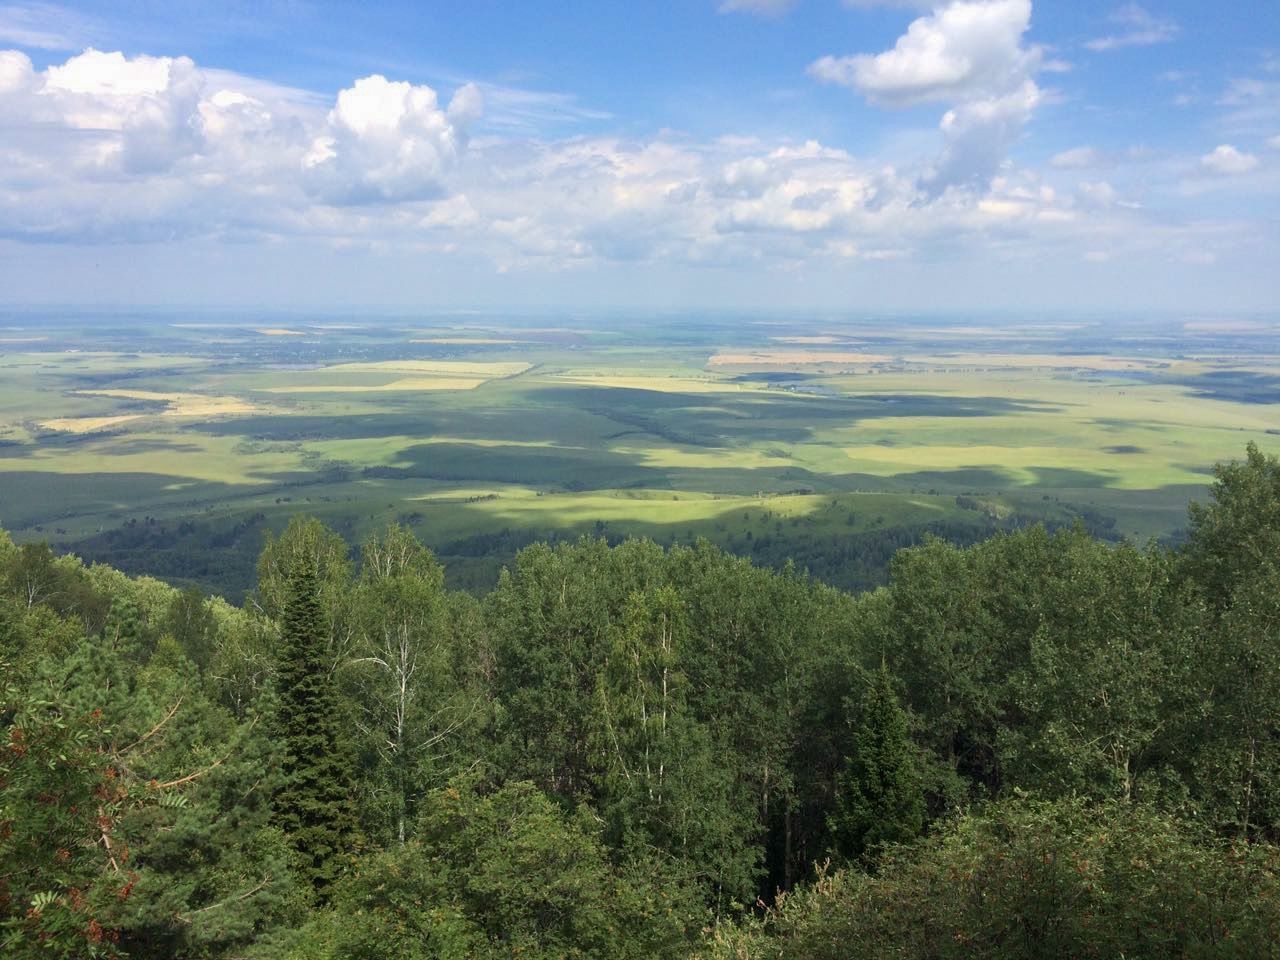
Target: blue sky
813, 154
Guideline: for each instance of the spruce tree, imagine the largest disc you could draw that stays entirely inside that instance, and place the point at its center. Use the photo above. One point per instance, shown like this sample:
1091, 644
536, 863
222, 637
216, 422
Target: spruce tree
314, 805
879, 797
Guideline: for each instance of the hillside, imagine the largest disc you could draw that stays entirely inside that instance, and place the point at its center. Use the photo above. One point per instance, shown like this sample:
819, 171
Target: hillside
1040, 744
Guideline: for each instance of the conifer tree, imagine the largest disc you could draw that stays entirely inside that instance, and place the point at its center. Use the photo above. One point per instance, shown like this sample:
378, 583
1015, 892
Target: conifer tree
879, 797
314, 805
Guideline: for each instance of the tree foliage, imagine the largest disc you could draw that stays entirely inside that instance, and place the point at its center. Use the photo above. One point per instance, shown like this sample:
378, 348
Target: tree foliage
313, 803
1038, 745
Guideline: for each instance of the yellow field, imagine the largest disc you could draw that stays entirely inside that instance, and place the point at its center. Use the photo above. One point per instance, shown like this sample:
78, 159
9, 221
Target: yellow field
794, 358
86, 424
180, 404
1027, 361
455, 368
411, 383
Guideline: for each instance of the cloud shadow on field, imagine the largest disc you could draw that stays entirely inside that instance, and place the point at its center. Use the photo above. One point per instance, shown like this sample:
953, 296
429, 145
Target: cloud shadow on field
716, 420
1239, 386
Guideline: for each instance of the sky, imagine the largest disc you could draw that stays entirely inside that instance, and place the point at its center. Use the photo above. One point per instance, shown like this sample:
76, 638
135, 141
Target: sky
836, 155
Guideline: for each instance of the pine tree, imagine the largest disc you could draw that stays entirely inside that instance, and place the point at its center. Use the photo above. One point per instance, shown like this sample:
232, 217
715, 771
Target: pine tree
879, 797
314, 805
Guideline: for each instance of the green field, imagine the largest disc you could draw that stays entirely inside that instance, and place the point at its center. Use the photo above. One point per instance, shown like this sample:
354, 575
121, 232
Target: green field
142, 439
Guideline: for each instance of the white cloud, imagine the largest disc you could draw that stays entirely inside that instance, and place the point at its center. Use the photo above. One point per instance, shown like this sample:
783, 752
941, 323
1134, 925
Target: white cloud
1139, 28
16, 72
388, 141
764, 8
107, 149
1274, 142
112, 74
1077, 158
1227, 161
969, 53
978, 134
968, 48
106, 146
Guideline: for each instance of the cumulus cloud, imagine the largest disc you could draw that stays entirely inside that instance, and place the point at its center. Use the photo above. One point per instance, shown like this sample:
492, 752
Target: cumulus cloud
389, 141
16, 72
963, 50
108, 148
1227, 161
969, 53
108, 112
106, 145
1139, 28
151, 101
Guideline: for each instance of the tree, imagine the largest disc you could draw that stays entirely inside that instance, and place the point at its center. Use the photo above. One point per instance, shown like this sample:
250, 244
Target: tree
1235, 742
133, 815
1110, 679
60, 805
313, 805
940, 641
308, 541
411, 710
664, 785
879, 799
34, 577
1021, 880
1232, 536
191, 622
494, 876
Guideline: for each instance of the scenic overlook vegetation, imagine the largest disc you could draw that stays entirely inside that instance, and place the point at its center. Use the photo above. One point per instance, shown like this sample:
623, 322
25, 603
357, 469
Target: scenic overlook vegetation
716, 480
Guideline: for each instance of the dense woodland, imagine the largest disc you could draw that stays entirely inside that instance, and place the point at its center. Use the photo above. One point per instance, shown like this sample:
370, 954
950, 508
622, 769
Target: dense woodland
1043, 744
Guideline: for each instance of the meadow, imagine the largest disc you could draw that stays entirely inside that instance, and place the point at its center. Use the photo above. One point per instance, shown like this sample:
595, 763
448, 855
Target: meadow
168, 444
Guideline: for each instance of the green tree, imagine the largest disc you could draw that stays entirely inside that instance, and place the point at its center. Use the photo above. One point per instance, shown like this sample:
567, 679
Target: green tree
190, 621
307, 541
1023, 880
60, 806
664, 786
1235, 741
879, 798
1237, 532
138, 809
313, 804
508, 874
1110, 678
413, 713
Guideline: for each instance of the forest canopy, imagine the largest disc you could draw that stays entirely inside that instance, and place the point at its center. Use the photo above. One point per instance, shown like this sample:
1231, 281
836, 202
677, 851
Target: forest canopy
1043, 744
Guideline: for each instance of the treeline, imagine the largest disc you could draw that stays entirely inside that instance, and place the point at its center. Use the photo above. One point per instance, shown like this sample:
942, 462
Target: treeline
1039, 745
220, 556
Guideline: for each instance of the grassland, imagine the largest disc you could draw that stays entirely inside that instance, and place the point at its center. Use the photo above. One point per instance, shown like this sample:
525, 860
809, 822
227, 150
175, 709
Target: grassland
482, 433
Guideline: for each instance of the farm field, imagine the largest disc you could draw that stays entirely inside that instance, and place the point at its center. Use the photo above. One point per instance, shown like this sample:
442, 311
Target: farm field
168, 445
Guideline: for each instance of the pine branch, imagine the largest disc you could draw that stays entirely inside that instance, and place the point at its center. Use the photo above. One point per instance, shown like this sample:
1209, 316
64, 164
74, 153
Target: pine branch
186, 917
